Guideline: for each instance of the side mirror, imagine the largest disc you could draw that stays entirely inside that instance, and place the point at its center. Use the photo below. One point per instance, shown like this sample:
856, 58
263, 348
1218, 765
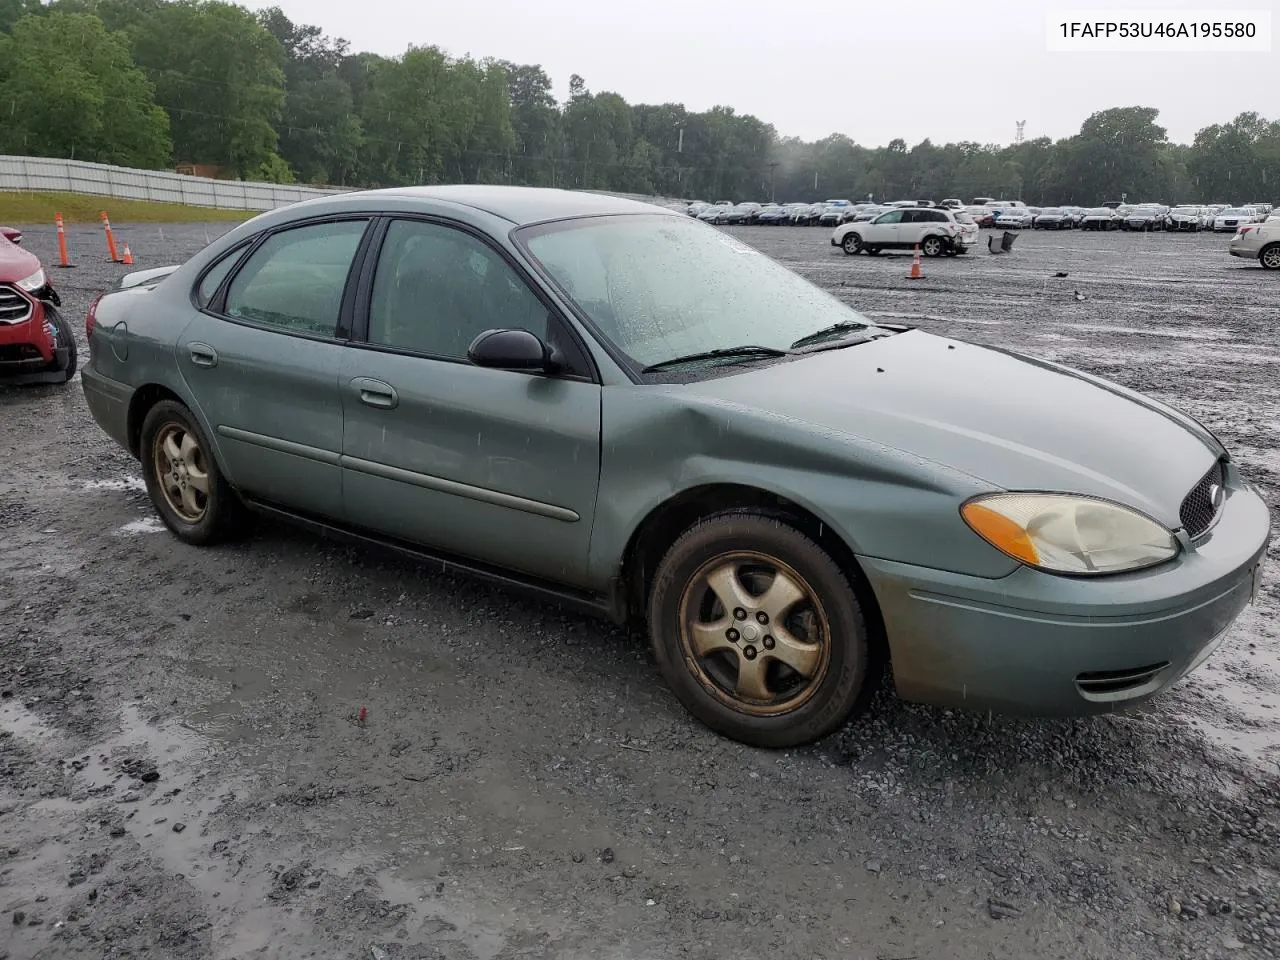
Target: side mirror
10, 234
512, 350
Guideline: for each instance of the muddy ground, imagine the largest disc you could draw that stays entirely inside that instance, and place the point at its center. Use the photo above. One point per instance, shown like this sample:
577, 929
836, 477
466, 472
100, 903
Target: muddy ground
183, 774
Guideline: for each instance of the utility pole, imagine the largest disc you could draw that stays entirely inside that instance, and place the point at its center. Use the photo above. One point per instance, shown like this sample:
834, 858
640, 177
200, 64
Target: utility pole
680, 140
773, 193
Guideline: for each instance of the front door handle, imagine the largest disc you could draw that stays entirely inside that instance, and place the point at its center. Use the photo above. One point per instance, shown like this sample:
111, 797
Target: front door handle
375, 393
203, 355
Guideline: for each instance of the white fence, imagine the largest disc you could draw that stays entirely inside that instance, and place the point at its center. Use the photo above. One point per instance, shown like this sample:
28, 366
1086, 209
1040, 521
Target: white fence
100, 179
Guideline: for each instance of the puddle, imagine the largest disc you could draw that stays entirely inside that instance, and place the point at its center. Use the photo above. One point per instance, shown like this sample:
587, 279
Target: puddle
180, 756
1173, 333
135, 528
125, 483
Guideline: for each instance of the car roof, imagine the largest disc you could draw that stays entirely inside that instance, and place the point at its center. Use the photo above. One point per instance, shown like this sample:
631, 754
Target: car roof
519, 205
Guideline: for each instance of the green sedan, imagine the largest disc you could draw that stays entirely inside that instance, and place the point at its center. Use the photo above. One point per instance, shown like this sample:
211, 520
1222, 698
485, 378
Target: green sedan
626, 410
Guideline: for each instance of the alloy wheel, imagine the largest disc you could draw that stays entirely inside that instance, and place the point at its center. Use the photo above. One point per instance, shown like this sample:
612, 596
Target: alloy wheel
755, 634
181, 471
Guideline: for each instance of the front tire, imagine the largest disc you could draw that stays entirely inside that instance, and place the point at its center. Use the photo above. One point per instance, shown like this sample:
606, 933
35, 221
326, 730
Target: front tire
851, 244
67, 337
183, 480
758, 631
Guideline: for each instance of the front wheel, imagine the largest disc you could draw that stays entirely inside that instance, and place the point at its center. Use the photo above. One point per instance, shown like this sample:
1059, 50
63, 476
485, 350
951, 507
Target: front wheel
851, 244
66, 338
183, 480
758, 631
1270, 257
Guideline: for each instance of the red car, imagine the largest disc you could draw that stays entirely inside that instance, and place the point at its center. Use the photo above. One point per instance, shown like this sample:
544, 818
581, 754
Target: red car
37, 344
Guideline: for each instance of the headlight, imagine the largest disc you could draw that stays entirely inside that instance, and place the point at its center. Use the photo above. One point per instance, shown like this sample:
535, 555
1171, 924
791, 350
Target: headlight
1062, 533
33, 282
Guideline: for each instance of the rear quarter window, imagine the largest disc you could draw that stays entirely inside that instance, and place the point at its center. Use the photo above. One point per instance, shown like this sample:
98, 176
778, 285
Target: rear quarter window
208, 286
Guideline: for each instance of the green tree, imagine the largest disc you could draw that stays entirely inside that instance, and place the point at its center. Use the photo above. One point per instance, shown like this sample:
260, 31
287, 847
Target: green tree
11, 11
219, 74
320, 135
1116, 152
69, 89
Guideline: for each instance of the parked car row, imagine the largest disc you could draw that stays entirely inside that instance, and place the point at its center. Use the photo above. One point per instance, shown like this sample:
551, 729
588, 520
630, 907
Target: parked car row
1119, 216
997, 214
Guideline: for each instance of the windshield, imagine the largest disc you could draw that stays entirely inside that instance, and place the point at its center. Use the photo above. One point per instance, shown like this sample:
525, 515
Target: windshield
1237, 212
660, 287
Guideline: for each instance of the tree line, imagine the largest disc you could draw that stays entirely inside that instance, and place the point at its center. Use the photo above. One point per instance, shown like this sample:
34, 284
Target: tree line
150, 83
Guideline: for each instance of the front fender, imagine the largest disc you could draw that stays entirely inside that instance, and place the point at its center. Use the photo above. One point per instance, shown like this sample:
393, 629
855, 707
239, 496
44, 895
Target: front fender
883, 502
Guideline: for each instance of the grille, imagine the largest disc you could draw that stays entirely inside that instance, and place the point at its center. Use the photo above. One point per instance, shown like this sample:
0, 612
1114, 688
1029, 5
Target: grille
19, 353
14, 307
1199, 509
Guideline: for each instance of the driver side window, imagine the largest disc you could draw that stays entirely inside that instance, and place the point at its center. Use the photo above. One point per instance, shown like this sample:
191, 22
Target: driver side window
893, 216
436, 289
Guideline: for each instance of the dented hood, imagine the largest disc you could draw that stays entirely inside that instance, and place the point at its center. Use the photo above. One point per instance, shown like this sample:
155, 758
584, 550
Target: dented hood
1011, 421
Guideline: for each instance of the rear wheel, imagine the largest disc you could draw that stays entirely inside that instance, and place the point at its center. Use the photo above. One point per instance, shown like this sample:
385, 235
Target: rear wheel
183, 480
1270, 257
851, 244
758, 631
933, 246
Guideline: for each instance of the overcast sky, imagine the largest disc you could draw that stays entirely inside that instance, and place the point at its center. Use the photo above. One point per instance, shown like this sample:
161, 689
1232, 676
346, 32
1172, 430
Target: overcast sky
873, 69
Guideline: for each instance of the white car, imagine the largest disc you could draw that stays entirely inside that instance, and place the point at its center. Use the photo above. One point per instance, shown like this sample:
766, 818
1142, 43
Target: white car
938, 232
1258, 241
1229, 220
1014, 218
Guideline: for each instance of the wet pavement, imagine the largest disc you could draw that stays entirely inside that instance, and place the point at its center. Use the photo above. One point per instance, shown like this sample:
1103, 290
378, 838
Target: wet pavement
183, 771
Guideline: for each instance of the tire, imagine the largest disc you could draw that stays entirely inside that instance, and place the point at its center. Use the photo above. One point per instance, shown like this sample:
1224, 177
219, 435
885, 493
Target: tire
216, 515
872, 251
933, 246
782, 707
1269, 257
851, 244
65, 335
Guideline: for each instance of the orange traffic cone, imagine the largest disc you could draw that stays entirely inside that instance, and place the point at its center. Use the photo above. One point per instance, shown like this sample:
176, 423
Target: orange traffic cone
128, 255
63, 260
915, 273
111, 238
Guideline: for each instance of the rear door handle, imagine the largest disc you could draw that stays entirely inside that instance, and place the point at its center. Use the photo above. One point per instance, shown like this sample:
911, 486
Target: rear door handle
203, 355
375, 393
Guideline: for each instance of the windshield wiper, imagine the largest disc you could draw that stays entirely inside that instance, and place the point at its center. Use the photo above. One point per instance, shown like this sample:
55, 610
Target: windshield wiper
743, 352
826, 333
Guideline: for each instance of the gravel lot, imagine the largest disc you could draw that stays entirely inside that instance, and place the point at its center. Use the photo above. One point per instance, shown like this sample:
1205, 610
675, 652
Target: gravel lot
183, 774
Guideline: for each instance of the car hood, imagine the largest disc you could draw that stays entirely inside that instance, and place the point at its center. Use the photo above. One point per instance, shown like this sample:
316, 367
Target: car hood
1011, 421
15, 263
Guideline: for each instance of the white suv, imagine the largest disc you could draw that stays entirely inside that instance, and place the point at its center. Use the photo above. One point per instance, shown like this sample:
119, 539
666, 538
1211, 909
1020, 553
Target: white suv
938, 232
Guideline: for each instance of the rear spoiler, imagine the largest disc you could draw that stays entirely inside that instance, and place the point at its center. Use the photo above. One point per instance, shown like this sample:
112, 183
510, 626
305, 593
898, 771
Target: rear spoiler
144, 278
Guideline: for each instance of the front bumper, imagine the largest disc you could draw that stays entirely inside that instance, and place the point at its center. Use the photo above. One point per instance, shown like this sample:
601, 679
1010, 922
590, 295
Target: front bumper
28, 346
1034, 643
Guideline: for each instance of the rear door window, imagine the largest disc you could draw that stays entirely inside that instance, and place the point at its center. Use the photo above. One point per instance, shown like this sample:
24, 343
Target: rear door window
295, 280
